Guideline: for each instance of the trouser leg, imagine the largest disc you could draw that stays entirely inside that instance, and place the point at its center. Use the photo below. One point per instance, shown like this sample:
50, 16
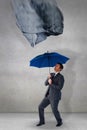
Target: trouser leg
45, 102
54, 106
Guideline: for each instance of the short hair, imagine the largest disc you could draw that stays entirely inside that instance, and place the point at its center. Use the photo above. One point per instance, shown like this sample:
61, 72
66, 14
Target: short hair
61, 65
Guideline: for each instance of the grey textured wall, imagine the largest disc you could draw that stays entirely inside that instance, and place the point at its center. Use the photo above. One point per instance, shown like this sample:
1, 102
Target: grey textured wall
22, 87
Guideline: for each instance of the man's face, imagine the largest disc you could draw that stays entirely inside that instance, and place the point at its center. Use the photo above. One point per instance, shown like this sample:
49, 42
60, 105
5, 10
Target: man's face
57, 68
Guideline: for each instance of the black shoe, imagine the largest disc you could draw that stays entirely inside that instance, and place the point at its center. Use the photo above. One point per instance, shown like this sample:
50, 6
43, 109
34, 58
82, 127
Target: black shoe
59, 124
39, 124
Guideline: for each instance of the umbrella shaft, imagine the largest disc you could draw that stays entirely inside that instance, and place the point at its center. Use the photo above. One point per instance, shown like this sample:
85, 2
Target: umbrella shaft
49, 70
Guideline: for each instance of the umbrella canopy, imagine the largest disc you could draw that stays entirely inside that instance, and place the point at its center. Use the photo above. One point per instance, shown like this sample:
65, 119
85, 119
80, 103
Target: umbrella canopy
48, 60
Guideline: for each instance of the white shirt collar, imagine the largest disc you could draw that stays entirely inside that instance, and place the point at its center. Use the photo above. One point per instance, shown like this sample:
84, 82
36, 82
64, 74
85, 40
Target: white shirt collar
56, 73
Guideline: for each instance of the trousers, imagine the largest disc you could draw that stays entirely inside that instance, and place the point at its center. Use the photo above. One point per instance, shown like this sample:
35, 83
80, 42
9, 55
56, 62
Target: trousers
54, 106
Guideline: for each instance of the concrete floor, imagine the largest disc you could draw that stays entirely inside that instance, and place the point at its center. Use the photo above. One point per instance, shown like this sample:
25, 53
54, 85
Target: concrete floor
28, 121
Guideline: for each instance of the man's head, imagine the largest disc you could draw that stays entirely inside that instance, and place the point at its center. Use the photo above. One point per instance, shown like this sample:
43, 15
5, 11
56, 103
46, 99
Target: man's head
58, 67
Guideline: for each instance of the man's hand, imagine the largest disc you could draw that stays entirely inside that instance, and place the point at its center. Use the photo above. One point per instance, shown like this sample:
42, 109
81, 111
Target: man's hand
50, 81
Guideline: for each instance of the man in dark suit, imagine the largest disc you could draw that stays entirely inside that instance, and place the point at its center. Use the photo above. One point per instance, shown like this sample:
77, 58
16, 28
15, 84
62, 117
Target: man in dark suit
55, 82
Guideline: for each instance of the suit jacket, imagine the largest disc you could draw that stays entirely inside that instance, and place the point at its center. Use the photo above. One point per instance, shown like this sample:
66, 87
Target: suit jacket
54, 90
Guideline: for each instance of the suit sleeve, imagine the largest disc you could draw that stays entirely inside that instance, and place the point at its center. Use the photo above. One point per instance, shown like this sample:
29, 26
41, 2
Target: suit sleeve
58, 84
46, 82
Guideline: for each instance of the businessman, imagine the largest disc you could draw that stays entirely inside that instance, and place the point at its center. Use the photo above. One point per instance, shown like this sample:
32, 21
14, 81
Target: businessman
55, 82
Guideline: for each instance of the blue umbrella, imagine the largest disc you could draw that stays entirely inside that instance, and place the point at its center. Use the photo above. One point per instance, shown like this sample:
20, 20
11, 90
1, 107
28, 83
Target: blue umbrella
48, 60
